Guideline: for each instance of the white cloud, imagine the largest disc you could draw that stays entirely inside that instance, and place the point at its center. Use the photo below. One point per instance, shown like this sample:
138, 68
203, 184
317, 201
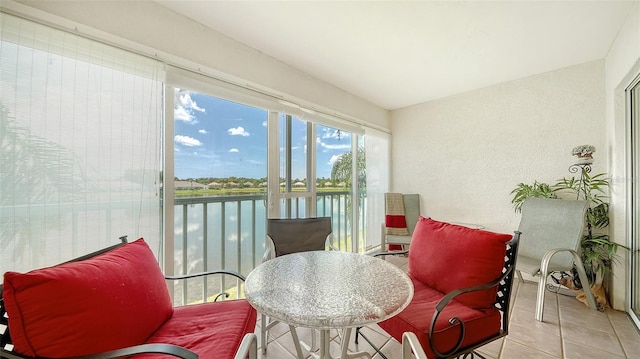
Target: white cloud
334, 158
238, 131
264, 123
234, 150
342, 146
337, 134
185, 106
182, 114
337, 147
203, 131
187, 101
187, 141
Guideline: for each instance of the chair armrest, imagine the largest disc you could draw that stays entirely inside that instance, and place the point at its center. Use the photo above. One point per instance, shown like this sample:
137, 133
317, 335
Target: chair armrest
224, 295
200, 274
391, 253
447, 299
248, 347
332, 247
410, 343
268, 254
168, 349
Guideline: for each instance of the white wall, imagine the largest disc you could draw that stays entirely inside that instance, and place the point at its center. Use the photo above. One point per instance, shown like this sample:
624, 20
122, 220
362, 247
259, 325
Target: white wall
148, 27
464, 154
622, 65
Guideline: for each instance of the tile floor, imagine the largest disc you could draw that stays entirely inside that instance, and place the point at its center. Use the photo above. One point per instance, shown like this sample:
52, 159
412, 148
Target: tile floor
570, 331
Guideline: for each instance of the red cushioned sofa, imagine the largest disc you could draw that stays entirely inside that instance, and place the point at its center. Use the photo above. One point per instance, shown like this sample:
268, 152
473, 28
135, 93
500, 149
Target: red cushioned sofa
116, 303
462, 279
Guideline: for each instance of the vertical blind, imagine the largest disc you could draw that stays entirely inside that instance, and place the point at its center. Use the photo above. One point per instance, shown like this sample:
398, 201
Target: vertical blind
80, 132
377, 145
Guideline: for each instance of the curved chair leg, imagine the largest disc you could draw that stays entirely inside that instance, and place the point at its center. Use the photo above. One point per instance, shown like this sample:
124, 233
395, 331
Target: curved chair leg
586, 286
542, 284
544, 272
383, 240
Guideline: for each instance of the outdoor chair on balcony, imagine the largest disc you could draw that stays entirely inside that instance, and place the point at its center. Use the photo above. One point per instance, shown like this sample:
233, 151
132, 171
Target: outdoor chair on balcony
401, 215
552, 230
462, 280
286, 236
115, 303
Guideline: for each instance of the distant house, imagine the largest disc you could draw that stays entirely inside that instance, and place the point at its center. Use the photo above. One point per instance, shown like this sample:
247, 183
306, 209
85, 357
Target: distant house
263, 184
248, 184
189, 185
328, 184
299, 184
215, 185
232, 184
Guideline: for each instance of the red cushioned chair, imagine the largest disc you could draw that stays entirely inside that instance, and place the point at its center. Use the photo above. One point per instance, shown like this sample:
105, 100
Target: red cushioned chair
116, 303
462, 281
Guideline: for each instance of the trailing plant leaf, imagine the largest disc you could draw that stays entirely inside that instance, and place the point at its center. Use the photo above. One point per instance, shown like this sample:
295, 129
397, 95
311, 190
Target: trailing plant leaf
599, 254
598, 216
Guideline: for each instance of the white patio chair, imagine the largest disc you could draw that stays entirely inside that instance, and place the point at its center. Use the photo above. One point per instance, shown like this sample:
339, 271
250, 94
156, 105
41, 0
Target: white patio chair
550, 242
411, 213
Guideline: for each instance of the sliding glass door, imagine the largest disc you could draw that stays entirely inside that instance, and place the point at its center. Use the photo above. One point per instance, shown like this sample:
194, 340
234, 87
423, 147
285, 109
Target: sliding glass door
634, 253
311, 171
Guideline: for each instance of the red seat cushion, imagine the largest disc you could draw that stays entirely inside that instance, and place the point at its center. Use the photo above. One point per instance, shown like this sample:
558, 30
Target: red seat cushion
447, 257
416, 318
211, 330
114, 300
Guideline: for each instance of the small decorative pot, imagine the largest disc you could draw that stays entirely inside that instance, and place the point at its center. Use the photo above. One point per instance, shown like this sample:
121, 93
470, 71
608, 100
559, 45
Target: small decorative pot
585, 160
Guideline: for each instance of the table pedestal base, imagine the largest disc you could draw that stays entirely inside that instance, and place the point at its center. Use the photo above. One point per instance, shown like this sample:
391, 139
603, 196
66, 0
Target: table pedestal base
325, 341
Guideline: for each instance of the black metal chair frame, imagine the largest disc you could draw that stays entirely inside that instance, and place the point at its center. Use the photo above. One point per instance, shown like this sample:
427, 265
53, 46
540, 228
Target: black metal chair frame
504, 283
247, 346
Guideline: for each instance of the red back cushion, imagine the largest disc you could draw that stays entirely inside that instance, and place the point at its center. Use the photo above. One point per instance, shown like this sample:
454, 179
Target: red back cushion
110, 301
446, 257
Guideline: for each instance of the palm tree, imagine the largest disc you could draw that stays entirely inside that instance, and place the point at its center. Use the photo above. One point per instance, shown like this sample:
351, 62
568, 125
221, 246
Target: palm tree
341, 173
342, 167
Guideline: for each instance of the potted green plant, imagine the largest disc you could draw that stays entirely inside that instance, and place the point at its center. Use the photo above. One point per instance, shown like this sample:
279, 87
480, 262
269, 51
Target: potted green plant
598, 252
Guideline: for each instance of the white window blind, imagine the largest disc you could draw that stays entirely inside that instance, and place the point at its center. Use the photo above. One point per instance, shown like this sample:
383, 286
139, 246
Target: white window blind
377, 150
80, 132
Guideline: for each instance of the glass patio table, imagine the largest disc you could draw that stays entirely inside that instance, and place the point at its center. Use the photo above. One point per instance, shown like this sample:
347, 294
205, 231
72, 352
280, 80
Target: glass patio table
328, 290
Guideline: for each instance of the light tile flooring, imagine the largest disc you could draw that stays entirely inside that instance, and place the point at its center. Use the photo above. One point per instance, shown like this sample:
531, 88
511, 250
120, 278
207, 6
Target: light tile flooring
570, 330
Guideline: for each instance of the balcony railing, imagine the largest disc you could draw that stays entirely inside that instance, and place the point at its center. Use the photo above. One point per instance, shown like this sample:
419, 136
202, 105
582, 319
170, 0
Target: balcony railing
228, 232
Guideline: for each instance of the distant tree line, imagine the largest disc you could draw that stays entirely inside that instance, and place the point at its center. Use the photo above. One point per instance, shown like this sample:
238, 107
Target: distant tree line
242, 182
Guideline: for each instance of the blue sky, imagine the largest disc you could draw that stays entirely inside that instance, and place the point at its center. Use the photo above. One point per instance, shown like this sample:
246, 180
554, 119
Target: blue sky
219, 138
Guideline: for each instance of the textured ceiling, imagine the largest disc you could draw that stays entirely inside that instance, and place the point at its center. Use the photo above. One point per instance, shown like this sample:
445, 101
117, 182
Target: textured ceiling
398, 53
